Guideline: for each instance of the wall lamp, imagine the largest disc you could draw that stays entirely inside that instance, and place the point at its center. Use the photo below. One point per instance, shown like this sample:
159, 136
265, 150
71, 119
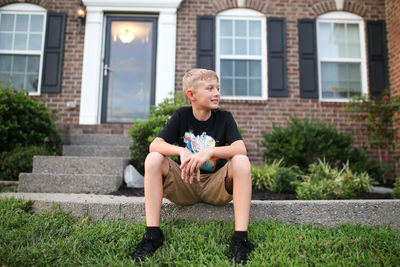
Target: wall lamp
81, 14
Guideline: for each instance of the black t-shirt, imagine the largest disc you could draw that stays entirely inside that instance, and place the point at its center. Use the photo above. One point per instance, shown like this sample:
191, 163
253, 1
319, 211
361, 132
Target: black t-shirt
186, 131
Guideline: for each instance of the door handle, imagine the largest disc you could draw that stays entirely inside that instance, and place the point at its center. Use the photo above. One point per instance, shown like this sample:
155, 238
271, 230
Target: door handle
106, 69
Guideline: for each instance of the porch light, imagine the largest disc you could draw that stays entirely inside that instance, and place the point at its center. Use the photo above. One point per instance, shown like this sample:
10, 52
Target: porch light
81, 14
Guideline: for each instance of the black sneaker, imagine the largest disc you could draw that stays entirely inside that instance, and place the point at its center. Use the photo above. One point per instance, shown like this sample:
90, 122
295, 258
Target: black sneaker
147, 247
240, 250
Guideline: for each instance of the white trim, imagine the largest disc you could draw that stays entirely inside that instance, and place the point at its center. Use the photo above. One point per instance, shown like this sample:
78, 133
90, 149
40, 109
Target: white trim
244, 14
93, 50
133, 4
339, 15
344, 17
28, 9
31, 8
241, 12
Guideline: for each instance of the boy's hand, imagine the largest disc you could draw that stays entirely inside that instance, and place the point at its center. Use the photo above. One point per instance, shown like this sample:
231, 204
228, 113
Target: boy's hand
190, 166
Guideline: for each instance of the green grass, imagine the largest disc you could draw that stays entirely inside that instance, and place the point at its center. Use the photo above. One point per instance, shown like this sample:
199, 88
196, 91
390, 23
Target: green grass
56, 238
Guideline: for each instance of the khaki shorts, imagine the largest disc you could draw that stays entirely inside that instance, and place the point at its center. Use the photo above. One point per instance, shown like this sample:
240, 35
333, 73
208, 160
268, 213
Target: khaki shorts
210, 189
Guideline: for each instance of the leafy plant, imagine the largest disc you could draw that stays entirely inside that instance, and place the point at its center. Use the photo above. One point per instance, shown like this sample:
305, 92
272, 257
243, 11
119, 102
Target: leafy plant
144, 132
25, 121
285, 181
396, 189
325, 182
19, 160
303, 142
378, 117
263, 176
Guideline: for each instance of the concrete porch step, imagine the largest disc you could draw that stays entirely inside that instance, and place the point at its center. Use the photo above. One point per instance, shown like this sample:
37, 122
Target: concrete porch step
96, 151
79, 165
318, 212
101, 139
69, 183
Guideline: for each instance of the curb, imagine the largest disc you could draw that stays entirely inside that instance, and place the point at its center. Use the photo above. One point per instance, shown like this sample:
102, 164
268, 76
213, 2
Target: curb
293, 212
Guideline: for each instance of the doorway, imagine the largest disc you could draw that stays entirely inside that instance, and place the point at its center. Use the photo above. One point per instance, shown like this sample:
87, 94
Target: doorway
129, 69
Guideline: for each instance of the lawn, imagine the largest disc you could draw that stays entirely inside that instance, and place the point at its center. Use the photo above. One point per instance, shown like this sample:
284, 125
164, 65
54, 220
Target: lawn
56, 238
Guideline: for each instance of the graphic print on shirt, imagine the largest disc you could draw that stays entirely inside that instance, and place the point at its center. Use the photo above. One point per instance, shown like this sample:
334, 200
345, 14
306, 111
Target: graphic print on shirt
198, 143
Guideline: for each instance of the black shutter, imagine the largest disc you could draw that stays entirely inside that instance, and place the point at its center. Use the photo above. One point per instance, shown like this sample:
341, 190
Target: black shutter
308, 58
53, 53
277, 73
377, 56
206, 42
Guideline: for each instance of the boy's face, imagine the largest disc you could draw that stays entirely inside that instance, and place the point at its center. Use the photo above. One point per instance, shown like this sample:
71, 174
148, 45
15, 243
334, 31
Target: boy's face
206, 96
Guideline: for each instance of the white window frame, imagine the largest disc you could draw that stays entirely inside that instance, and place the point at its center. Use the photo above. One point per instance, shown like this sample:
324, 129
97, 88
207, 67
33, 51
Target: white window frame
28, 9
344, 17
244, 14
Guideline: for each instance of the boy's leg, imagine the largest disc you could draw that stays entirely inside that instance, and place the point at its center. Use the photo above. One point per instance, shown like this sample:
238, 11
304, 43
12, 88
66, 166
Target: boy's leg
156, 167
239, 183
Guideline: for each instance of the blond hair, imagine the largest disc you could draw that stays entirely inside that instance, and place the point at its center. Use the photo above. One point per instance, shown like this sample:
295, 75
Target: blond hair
192, 77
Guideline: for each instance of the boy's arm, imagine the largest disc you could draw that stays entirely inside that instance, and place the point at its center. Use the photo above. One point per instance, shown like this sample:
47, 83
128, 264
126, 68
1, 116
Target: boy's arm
191, 165
161, 146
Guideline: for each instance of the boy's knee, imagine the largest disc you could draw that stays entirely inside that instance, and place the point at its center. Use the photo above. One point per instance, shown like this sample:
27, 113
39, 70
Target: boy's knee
240, 168
241, 161
154, 160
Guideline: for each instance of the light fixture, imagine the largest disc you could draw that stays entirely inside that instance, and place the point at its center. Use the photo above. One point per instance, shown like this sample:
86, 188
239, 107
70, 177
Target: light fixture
126, 35
81, 14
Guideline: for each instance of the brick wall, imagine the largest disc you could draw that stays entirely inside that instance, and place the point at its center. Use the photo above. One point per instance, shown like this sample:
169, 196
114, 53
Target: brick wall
68, 119
73, 55
254, 116
393, 29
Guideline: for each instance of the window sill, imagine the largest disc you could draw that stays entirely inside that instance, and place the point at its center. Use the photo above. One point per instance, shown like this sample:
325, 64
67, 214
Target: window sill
244, 101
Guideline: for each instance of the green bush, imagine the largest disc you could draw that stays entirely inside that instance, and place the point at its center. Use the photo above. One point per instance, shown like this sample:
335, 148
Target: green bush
325, 182
396, 189
263, 176
19, 160
285, 181
303, 142
360, 161
144, 132
24, 121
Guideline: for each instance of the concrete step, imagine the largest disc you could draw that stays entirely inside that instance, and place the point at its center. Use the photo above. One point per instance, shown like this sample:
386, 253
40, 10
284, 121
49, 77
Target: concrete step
101, 139
79, 165
318, 212
96, 151
69, 183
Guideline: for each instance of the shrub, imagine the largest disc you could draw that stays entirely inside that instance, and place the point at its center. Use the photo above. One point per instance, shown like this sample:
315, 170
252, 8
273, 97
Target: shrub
359, 162
19, 160
285, 181
25, 121
263, 176
378, 117
396, 189
303, 142
325, 182
144, 132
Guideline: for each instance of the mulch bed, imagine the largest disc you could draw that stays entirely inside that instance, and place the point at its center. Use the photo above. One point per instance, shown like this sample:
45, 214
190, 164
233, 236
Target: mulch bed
256, 195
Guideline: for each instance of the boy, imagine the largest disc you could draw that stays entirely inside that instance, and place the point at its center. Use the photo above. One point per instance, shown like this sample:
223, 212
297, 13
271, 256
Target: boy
207, 137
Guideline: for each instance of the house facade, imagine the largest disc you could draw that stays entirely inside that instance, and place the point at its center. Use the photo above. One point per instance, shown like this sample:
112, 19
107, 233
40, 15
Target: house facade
102, 68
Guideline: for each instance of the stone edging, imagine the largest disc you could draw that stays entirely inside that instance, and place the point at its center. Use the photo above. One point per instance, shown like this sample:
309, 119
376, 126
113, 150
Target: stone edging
317, 212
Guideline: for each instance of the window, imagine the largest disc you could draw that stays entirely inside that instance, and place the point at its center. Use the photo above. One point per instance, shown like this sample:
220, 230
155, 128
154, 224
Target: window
21, 45
341, 56
241, 54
